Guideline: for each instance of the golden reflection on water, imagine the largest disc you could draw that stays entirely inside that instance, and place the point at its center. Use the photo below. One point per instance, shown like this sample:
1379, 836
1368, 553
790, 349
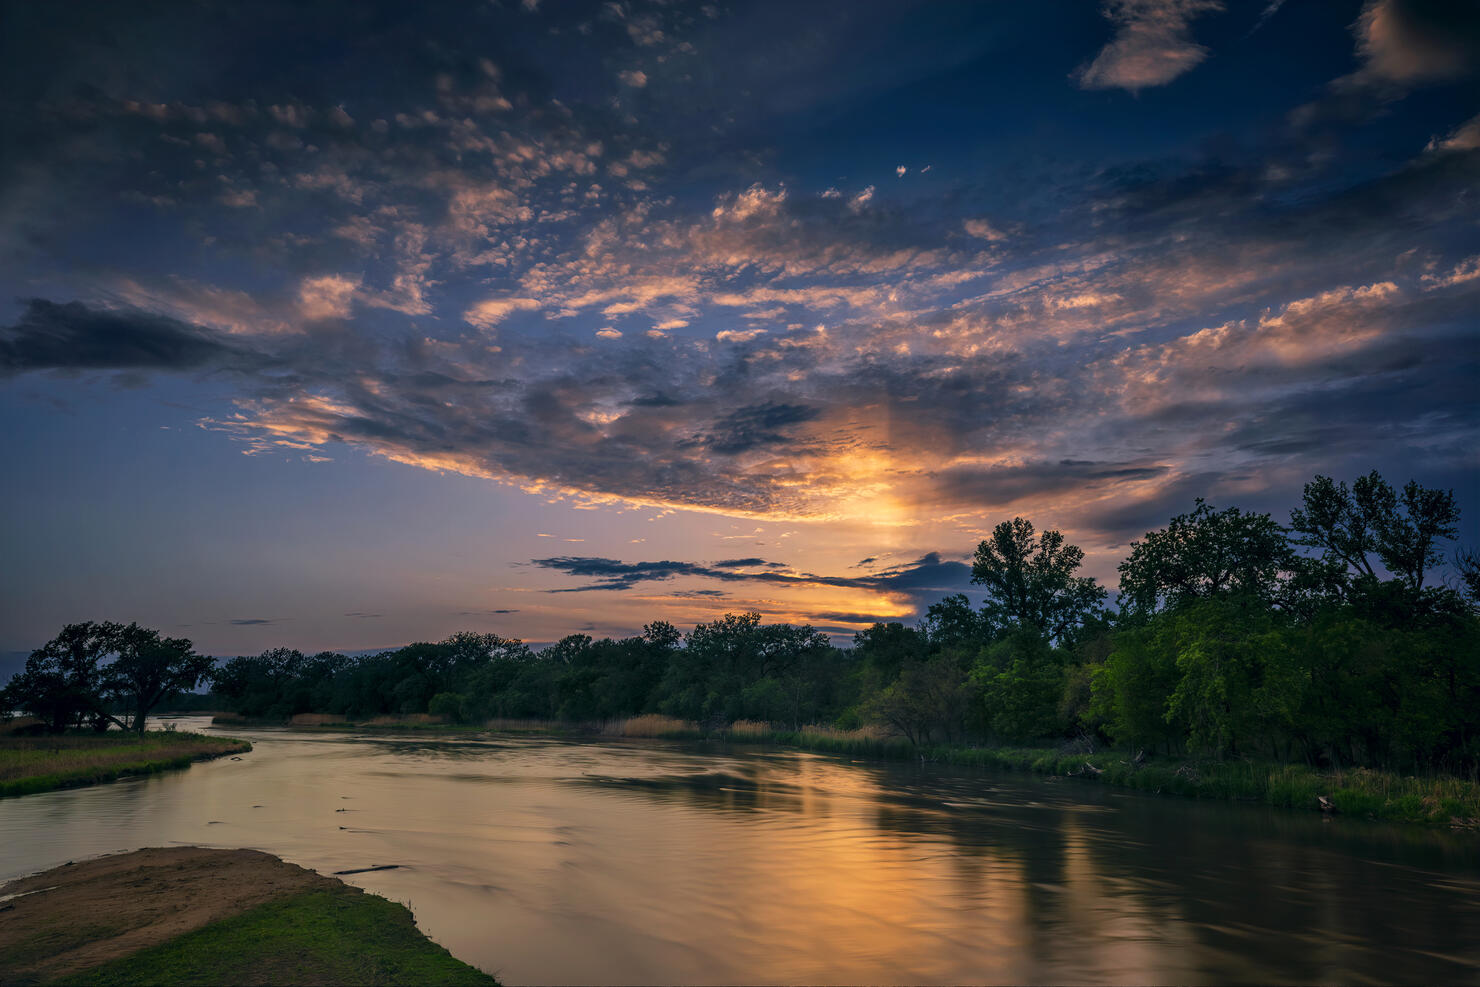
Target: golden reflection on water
642, 862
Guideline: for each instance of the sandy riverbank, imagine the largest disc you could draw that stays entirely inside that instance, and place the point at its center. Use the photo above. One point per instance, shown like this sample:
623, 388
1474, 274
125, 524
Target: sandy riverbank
197, 915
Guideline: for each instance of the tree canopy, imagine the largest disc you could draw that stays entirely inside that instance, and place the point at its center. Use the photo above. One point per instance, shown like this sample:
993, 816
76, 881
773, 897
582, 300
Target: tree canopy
1334, 642
1031, 584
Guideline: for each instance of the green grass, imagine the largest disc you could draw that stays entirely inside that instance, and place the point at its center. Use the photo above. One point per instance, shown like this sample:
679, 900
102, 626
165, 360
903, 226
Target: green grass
1437, 800
317, 937
41, 764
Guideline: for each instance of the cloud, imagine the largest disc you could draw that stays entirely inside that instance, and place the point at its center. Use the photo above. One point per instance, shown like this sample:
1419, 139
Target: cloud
927, 575
739, 335
1412, 42
1091, 332
1152, 44
636, 78
609, 333
74, 336
1465, 271
250, 621
983, 230
1465, 137
327, 297
756, 426
490, 312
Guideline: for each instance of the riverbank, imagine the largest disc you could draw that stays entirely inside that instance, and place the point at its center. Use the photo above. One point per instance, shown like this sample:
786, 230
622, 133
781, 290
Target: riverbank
191, 915
43, 763
1436, 800
1361, 792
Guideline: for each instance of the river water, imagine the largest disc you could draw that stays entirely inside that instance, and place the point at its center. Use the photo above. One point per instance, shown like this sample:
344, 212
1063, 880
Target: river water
552, 861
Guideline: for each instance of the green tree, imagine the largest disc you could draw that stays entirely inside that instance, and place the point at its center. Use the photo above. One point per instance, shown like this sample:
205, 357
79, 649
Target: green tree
1206, 553
1131, 689
150, 668
929, 699
1021, 681
1031, 584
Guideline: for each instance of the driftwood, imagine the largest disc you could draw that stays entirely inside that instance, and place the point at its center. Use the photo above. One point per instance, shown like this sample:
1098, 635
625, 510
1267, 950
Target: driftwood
366, 870
1327, 805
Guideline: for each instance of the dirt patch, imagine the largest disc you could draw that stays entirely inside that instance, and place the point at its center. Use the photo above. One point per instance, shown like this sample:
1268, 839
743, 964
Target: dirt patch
80, 915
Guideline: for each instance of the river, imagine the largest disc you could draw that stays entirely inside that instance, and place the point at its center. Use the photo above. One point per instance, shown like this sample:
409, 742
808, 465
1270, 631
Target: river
553, 861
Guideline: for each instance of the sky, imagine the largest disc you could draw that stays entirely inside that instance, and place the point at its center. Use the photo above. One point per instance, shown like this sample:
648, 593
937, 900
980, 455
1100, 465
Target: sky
347, 325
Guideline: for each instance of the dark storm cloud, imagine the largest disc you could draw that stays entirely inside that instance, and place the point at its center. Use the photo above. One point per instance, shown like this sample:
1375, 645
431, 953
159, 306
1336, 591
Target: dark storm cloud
73, 336
755, 426
926, 574
1006, 484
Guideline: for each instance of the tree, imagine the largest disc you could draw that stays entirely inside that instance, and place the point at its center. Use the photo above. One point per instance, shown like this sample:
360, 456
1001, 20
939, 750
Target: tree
150, 668
62, 682
928, 696
1371, 518
884, 649
1033, 585
1206, 553
951, 624
1021, 680
1467, 563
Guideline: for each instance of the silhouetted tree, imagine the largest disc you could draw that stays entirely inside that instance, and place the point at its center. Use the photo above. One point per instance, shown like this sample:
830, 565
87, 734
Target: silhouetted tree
63, 681
150, 668
1372, 519
1032, 584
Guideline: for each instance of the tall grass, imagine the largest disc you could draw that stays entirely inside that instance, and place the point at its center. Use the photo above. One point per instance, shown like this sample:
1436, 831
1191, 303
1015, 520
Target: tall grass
651, 725
39, 764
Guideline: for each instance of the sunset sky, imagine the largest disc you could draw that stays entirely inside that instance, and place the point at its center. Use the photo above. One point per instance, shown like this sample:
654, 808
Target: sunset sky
347, 325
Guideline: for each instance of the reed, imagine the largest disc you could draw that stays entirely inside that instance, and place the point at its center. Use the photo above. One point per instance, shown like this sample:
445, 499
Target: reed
651, 725
317, 720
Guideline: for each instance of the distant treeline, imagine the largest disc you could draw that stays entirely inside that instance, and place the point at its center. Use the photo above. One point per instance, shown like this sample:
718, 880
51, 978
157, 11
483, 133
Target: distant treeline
1328, 641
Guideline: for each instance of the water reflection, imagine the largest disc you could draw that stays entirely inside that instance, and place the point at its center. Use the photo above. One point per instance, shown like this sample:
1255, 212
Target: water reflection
549, 861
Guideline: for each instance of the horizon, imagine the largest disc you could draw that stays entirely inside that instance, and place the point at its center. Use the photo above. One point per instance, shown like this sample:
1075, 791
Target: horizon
362, 323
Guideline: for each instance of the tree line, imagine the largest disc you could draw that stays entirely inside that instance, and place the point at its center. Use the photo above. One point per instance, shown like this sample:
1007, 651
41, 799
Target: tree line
1328, 640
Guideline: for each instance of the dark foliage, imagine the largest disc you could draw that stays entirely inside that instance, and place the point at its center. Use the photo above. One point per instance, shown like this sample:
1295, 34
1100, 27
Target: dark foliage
1330, 643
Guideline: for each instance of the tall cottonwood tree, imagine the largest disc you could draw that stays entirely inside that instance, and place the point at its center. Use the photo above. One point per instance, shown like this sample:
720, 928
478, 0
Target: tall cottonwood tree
1030, 583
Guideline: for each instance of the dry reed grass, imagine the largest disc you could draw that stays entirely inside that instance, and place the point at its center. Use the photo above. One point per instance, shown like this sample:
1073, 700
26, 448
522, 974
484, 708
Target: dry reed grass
405, 719
650, 725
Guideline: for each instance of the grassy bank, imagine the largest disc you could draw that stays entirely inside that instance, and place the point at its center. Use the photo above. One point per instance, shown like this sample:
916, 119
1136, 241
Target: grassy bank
1436, 800
40, 764
316, 937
